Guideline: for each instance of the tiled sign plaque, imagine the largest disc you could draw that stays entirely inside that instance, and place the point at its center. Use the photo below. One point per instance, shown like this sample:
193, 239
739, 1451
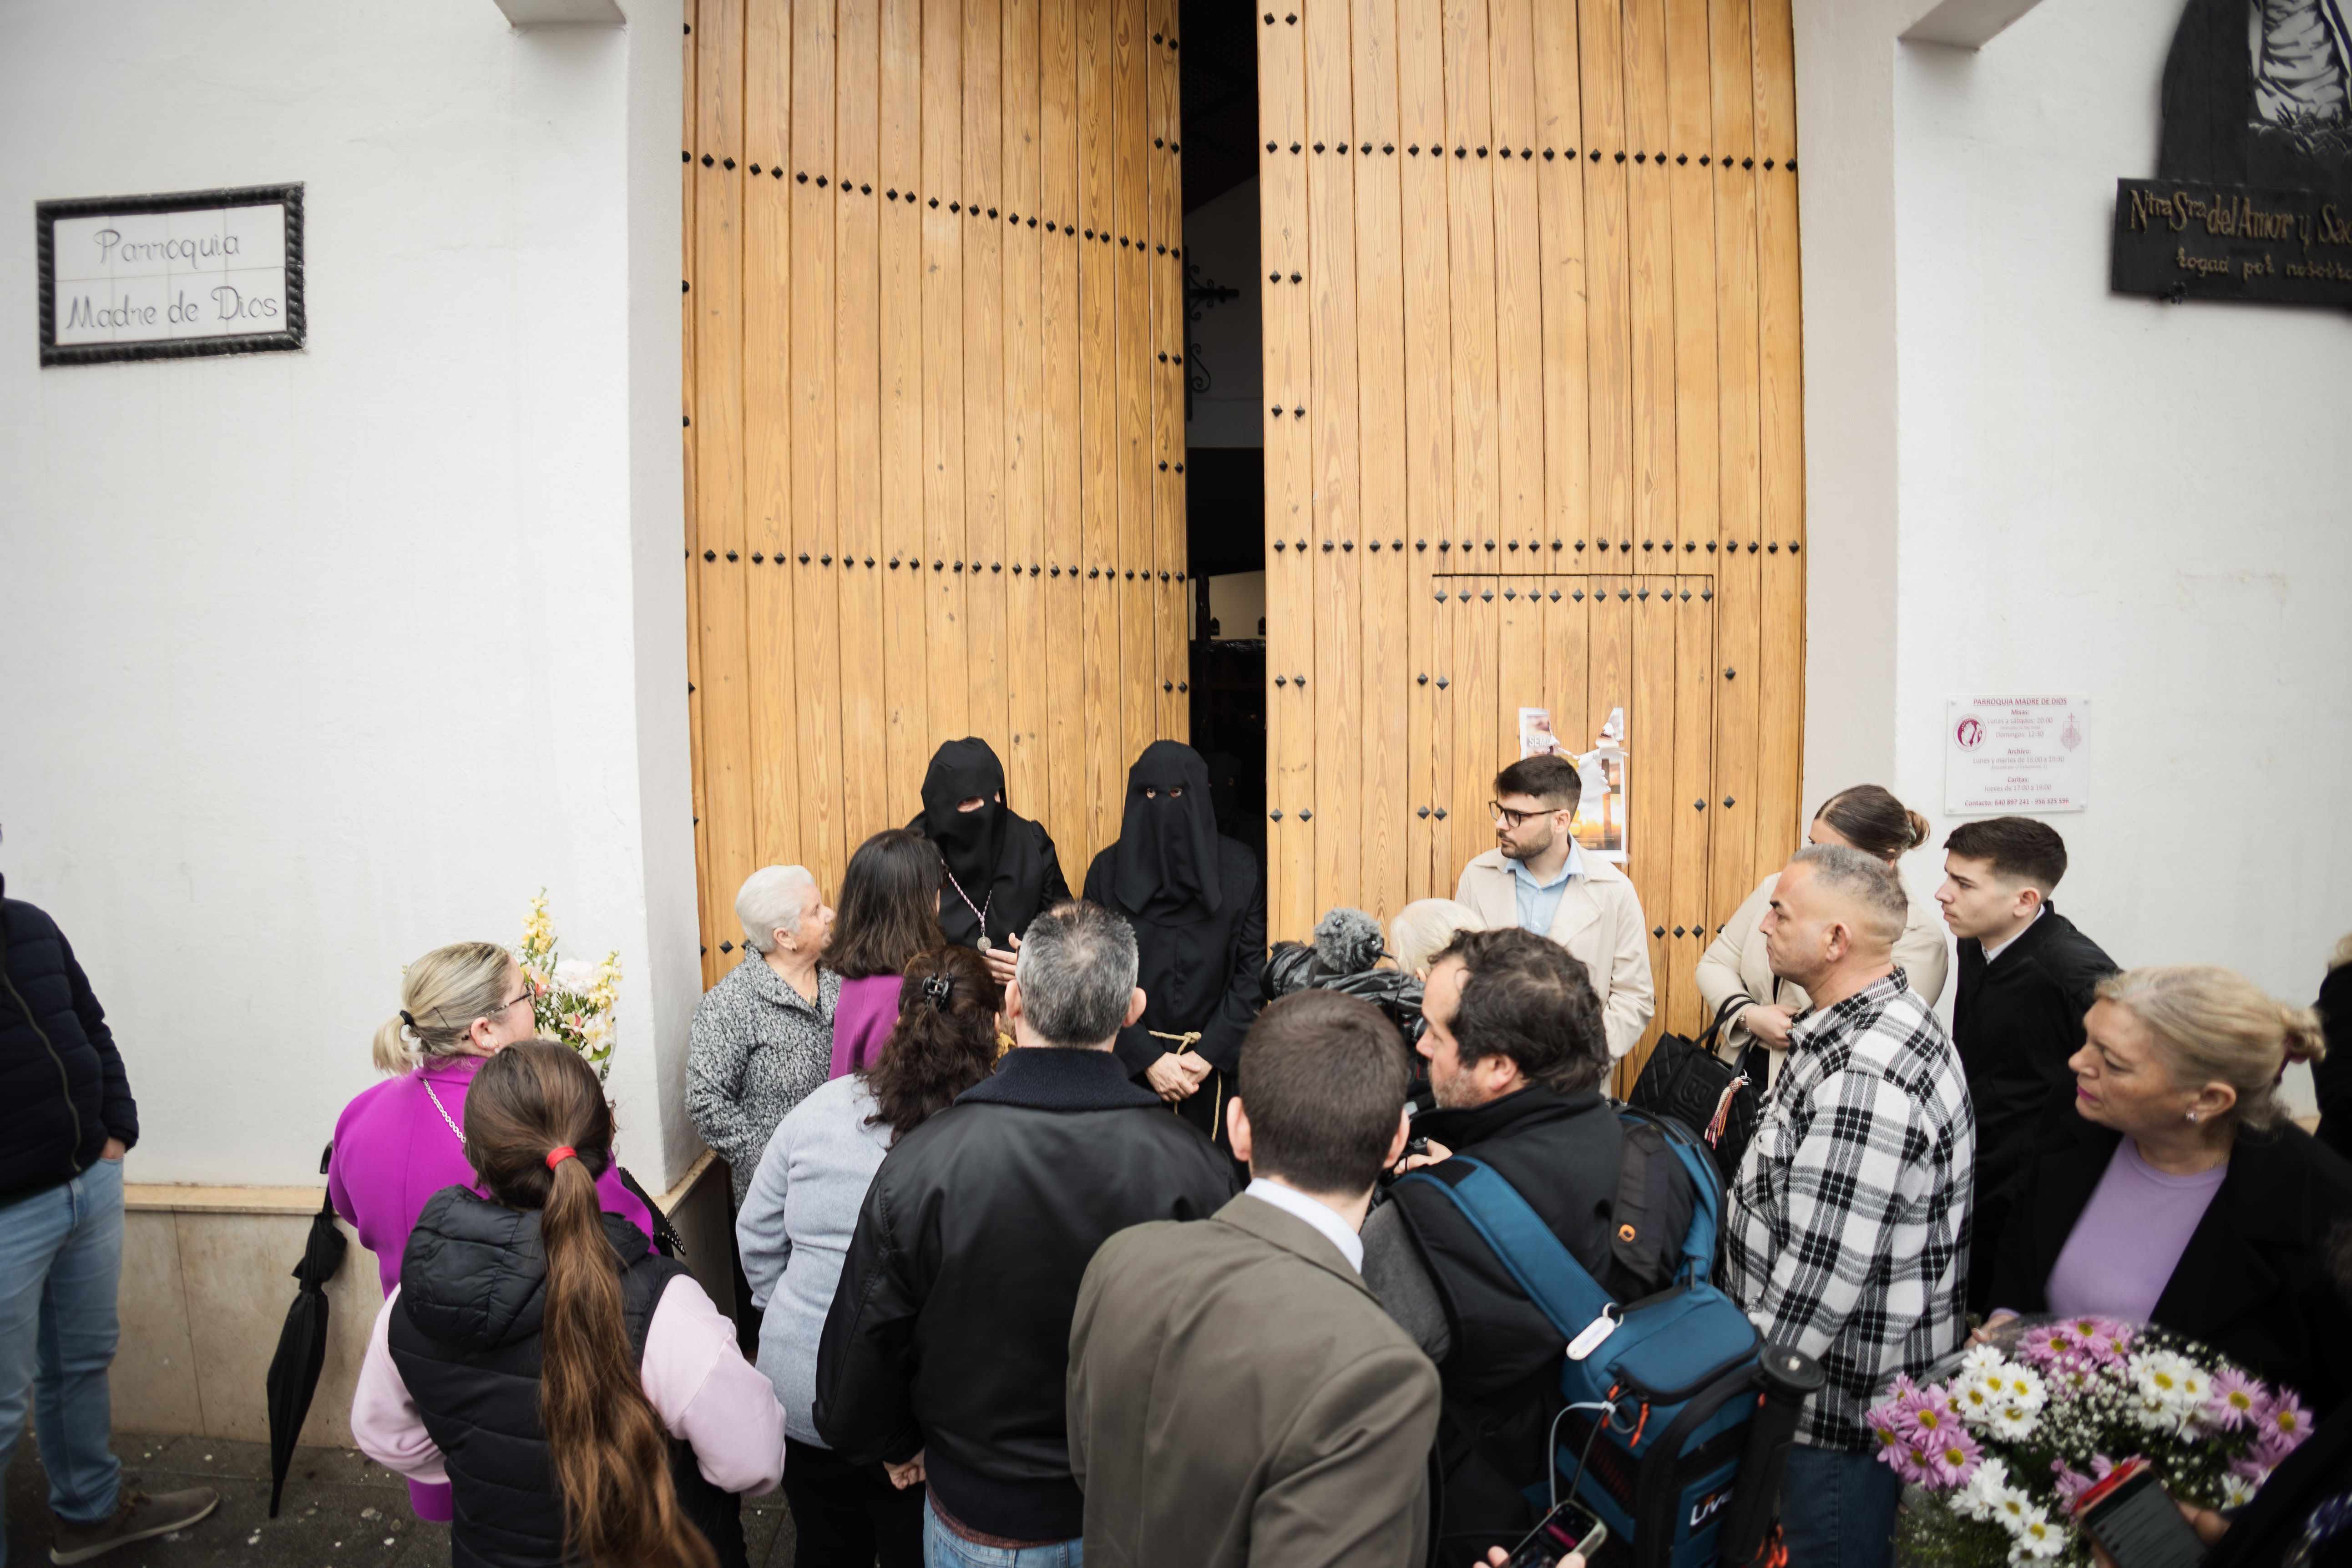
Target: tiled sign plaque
167, 277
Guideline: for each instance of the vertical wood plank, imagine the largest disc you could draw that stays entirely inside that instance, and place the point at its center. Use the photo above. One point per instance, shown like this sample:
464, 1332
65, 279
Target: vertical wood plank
689, 140
1026, 764
861, 655
1130, 46
1385, 880
1290, 611
1609, 299
1781, 469
1428, 428
1099, 438
1477, 461
1650, 843
984, 369
1737, 577
1649, 234
905, 603
1067, 680
1559, 177
947, 636
1331, 415
816, 771
1167, 588
1694, 760
1519, 285
1568, 675
728, 766
764, 325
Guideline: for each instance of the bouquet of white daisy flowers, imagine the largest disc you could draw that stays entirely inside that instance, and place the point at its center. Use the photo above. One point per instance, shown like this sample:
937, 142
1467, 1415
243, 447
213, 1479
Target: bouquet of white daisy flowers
573, 999
2004, 1447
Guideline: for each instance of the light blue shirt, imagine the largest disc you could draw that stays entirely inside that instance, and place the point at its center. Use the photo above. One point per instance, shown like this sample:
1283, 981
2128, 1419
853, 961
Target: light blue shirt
1539, 901
1321, 1216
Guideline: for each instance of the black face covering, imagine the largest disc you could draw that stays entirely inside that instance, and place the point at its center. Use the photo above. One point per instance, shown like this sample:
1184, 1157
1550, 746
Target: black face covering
971, 842
1167, 861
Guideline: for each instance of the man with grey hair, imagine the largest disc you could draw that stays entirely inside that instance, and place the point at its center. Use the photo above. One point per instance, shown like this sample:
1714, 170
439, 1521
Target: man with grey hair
946, 1348
1847, 1236
763, 1037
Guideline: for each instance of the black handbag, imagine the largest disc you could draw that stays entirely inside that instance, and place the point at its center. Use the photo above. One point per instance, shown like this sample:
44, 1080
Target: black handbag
1685, 1079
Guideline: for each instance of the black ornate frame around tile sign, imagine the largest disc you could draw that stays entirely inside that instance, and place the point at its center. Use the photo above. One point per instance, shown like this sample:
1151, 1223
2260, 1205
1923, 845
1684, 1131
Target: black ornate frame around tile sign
45, 217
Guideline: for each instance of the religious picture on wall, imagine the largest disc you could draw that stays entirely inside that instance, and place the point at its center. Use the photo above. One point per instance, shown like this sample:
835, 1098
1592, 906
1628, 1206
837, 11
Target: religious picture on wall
1535, 738
1601, 810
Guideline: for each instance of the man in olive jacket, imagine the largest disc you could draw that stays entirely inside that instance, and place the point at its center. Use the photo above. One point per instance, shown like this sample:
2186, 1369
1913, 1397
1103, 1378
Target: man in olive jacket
1237, 1395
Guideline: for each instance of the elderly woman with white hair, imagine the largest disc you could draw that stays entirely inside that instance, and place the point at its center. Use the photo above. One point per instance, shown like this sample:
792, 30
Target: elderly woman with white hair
763, 1035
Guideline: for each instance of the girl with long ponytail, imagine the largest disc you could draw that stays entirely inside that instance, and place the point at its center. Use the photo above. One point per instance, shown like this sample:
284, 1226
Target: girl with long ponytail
580, 1392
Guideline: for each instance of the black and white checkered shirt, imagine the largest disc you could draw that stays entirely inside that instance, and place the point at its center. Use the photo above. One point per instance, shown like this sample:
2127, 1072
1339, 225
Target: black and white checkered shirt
1847, 1235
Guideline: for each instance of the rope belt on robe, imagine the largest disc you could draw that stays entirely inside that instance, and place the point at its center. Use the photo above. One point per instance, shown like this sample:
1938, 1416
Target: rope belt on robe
1186, 1042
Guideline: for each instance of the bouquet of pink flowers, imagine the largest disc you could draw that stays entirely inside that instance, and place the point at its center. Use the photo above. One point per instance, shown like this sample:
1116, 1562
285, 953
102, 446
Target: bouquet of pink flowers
2006, 1443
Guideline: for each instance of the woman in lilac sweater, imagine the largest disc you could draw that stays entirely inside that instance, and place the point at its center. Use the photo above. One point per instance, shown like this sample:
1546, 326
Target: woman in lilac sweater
398, 1143
890, 912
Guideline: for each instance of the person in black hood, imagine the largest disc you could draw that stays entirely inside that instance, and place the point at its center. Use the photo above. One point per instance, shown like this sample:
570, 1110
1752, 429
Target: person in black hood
580, 1393
1003, 872
1198, 908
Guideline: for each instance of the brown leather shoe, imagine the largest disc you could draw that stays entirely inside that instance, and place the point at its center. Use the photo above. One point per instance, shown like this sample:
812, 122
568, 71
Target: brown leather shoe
137, 1517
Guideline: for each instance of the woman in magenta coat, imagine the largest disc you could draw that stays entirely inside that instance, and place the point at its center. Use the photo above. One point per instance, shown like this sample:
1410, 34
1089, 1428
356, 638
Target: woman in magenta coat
890, 912
399, 1142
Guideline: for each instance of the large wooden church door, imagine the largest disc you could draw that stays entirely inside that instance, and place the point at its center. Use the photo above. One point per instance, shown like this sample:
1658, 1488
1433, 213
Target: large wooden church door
933, 422
1532, 438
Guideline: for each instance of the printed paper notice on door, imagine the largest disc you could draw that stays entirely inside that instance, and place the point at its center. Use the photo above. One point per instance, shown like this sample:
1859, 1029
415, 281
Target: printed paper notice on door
2020, 754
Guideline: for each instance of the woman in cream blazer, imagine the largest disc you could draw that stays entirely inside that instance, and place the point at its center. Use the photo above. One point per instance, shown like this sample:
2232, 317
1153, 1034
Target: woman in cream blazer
1865, 817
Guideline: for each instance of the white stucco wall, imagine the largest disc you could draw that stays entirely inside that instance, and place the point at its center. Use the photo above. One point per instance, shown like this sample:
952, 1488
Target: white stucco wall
317, 661
2032, 484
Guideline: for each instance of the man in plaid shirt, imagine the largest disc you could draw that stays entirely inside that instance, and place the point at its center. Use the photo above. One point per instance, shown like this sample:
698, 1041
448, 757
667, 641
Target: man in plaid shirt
1848, 1233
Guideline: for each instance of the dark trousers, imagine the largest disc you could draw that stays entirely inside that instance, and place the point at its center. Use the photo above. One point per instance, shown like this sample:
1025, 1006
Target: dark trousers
845, 1515
1837, 1509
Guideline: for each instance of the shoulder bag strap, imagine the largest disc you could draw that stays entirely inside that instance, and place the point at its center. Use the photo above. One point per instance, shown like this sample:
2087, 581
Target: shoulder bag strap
1549, 1274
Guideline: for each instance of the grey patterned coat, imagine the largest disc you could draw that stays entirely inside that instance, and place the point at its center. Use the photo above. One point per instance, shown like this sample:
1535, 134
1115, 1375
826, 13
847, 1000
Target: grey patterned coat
759, 1047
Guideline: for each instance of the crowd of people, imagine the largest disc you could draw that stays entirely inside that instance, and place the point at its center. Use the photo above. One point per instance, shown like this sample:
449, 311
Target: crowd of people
1073, 1228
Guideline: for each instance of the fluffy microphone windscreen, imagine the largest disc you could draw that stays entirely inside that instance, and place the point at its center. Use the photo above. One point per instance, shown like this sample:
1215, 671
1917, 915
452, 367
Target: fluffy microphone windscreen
1347, 942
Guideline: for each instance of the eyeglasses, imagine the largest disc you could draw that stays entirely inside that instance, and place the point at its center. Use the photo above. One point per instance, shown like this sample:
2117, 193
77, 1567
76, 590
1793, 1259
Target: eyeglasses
529, 994
1508, 819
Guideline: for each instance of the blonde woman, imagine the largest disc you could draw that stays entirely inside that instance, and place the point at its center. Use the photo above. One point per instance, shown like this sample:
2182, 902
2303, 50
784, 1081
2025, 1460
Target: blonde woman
1423, 929
2190, 1200
400, 1142
1865, 817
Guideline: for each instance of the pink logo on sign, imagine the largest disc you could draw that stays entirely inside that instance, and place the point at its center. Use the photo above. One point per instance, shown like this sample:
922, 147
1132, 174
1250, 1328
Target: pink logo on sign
1970, 734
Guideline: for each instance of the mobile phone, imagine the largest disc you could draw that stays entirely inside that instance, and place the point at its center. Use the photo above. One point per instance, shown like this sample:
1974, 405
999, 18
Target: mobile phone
1572, 1527
2129, 1514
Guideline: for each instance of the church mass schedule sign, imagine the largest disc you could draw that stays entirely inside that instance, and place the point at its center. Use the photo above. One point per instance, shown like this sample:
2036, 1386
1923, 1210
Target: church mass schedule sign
2022, 754
168, 277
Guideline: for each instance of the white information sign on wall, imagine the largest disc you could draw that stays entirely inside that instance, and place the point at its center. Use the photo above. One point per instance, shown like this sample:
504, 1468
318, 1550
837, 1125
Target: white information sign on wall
2022, 754
162, 276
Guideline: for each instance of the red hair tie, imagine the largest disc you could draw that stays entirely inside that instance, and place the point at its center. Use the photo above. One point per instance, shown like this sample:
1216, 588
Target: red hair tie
556, 1156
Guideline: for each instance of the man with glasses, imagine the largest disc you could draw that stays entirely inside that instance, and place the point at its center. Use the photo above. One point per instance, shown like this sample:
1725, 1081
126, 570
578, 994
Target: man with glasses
1535, 878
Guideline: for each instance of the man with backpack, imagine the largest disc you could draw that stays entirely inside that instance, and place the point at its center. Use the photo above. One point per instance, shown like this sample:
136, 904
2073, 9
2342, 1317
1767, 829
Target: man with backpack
1517, 1051
1848, 1228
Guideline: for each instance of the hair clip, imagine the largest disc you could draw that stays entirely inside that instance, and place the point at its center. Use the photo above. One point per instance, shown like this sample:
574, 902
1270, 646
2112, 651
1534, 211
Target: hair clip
407, 1018
936, 989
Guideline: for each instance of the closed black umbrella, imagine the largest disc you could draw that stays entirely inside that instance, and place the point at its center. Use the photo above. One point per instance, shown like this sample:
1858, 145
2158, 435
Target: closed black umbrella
302, 1343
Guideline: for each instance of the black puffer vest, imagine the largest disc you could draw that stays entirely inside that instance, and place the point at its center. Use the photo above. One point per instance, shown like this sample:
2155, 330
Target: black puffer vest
473, 1287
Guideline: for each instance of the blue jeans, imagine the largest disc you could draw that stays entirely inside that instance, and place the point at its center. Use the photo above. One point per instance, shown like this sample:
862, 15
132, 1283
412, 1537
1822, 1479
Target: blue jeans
60, 1260
943, 1548
1837, 1510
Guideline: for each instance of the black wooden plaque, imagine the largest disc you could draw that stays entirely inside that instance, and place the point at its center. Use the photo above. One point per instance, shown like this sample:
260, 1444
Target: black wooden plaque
2183, 241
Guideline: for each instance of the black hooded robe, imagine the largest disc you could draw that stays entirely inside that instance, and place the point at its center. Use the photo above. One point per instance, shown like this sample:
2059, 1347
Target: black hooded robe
1001, 865
1198, 907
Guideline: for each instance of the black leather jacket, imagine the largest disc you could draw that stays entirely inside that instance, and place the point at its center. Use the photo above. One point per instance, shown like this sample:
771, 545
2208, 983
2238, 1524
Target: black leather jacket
1294, 967
949, 1330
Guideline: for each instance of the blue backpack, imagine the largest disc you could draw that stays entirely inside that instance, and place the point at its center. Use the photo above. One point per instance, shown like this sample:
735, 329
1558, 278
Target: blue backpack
1669, 1445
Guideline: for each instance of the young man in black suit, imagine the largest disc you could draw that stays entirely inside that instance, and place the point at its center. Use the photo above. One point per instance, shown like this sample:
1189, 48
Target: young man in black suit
2026, 978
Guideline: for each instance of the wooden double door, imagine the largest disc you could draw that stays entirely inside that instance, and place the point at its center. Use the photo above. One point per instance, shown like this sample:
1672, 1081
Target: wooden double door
1529, 278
